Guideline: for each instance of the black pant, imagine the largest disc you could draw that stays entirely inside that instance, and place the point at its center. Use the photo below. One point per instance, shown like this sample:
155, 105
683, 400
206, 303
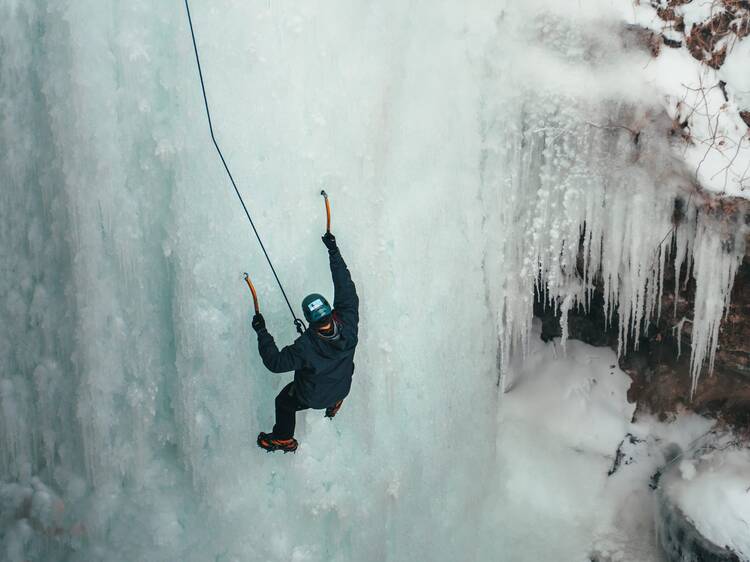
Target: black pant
287, 406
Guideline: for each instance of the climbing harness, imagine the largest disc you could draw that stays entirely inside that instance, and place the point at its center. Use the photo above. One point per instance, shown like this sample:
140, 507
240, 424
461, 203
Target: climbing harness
297, 322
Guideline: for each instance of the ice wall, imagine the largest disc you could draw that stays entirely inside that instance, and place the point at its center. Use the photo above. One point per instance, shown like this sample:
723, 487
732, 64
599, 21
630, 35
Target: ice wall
131, 391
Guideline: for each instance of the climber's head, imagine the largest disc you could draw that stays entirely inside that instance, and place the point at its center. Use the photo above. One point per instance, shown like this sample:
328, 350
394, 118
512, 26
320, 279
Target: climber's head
320, 316
317, 311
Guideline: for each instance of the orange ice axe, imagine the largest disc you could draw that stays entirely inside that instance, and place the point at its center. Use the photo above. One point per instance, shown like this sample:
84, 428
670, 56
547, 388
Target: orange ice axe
328, 210
255, 295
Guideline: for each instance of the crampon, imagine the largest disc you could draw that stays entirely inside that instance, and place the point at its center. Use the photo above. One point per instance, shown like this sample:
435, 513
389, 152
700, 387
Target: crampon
268, 442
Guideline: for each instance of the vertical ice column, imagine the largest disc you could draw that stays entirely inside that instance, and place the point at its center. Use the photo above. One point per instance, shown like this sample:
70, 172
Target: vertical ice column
718, 251
36, 393
87, 196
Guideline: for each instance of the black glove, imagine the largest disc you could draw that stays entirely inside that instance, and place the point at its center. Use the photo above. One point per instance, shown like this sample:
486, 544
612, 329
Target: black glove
330, 241
259, 324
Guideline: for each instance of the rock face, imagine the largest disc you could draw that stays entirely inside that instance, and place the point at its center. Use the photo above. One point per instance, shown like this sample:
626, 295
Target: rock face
660, 366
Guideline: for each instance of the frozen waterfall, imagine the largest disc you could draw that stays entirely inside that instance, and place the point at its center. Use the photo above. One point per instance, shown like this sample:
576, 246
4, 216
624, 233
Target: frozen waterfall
470, 150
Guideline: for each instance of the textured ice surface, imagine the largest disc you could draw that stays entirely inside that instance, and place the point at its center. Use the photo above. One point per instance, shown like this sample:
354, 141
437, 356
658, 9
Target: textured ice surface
463, 147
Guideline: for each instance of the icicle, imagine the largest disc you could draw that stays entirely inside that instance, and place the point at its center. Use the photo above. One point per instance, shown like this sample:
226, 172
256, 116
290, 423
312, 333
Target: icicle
565, 307
664, 252
716, 259
677, 331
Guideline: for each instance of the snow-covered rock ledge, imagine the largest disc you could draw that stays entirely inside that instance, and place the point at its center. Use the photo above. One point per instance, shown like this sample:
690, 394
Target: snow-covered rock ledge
704, 508
681, 541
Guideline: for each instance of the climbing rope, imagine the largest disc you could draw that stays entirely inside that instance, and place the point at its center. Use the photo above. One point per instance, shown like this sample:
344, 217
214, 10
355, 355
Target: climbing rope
297, 322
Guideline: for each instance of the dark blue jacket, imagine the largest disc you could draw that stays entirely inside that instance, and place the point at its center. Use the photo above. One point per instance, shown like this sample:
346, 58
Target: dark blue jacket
322, 369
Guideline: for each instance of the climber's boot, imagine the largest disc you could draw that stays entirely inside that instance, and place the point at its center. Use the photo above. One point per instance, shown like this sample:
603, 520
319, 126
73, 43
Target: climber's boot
270, 443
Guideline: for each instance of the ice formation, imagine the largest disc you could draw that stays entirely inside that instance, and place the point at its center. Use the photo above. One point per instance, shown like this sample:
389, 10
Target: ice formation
467, 148
586, 188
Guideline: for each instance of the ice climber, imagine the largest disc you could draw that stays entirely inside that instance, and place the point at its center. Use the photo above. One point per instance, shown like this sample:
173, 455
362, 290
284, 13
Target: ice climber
322, 358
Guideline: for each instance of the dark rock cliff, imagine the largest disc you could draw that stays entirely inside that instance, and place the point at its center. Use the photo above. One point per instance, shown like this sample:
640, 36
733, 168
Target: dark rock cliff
660, 366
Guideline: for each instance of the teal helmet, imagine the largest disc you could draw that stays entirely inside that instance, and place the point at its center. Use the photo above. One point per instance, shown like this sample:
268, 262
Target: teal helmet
316, 308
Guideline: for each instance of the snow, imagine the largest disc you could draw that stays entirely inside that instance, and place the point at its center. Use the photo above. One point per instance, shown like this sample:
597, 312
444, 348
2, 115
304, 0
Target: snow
734, 71
712, 491
564, 418
463, 146
717, 150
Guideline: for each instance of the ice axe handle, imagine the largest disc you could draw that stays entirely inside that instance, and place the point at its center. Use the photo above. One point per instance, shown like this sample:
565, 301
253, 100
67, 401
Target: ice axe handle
255, 295
328, 210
